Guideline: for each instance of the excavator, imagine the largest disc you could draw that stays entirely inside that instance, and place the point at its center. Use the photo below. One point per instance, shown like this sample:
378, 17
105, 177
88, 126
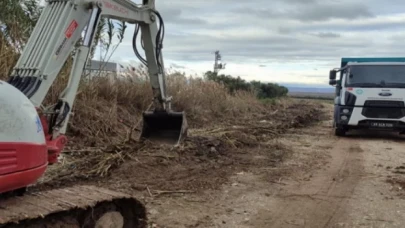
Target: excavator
33, 136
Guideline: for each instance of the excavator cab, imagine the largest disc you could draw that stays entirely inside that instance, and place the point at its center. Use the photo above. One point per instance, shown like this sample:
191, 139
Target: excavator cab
164, 127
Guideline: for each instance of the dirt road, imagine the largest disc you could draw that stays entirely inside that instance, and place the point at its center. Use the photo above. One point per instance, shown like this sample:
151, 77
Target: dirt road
327, 182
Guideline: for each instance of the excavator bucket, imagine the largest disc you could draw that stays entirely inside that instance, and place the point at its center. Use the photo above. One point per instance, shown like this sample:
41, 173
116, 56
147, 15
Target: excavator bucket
164, 127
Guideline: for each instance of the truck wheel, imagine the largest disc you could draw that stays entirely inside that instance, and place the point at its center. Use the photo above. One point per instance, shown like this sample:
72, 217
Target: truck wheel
340, 131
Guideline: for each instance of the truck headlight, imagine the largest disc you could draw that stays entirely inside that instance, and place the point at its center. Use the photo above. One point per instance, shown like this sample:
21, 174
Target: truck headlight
343, 117
345, 111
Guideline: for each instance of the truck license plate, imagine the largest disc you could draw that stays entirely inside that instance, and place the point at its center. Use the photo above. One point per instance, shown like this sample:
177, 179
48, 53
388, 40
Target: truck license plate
383, 125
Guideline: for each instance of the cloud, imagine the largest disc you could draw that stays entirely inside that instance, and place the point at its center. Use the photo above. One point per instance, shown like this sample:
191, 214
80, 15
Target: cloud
327, 35
291, 38
176, 16
312, 11
177, 66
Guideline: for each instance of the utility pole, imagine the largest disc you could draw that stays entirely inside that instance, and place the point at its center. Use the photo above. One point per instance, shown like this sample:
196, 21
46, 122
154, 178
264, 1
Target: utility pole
218, 65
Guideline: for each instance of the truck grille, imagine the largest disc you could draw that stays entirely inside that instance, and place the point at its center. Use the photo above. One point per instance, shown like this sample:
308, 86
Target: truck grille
384, 109
390, 104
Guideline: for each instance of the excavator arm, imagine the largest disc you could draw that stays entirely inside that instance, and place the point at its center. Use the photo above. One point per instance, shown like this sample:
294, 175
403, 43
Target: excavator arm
67, 26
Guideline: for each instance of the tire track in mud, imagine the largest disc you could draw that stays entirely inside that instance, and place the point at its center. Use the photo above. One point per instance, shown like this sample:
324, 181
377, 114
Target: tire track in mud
320, 201
328, 182
351, 170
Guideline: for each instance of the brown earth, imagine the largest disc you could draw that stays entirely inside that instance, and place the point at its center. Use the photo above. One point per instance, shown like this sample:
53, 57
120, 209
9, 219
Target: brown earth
286, 169
327, 181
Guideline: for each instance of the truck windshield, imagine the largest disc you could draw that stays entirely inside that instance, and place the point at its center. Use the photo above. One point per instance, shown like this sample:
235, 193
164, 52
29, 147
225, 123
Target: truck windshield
392, 76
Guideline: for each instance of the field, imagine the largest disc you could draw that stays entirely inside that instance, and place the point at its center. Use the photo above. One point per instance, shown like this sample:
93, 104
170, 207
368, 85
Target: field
246, 162
228, 134
308, 95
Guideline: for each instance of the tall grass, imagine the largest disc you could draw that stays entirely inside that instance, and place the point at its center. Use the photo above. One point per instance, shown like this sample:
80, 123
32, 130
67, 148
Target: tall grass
105, 110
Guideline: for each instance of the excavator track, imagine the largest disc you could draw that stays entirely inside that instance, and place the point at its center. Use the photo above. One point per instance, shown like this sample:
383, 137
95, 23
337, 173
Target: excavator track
78, 206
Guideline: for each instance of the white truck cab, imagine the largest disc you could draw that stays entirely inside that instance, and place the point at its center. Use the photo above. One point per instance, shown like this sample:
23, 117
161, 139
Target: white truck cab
370, 94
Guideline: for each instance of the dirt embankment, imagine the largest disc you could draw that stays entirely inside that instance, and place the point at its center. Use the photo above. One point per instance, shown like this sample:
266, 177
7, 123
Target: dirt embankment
205, 161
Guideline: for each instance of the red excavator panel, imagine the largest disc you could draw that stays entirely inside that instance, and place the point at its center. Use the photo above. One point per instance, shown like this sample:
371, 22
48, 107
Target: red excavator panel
21, 164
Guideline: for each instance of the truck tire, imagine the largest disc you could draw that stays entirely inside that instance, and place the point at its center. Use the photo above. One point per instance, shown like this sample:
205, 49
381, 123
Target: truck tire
339, 131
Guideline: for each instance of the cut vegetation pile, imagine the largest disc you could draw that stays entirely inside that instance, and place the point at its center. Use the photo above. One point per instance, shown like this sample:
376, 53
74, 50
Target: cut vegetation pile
229, 133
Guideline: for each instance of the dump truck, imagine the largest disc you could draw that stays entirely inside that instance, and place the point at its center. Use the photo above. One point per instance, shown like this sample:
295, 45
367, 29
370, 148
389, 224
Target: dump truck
369, 94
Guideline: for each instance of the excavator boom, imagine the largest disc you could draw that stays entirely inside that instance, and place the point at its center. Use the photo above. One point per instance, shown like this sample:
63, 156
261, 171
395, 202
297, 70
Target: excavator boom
59, 32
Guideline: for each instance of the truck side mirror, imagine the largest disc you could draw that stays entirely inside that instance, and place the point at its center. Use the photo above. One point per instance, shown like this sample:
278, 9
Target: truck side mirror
332, 82
332, 75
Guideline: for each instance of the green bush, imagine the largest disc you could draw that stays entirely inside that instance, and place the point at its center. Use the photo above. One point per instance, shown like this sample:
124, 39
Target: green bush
262, 90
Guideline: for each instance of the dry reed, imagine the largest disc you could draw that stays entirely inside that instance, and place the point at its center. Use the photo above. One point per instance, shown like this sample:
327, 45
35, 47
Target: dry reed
104, 109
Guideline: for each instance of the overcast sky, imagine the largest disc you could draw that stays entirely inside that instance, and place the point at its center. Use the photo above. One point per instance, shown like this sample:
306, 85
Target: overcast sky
275, 40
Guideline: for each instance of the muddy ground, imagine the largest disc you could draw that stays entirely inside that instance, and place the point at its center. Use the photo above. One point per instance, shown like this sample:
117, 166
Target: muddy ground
326, 182
285, 169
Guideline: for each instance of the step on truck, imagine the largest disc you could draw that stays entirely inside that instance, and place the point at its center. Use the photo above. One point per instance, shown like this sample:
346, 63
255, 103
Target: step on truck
369, 94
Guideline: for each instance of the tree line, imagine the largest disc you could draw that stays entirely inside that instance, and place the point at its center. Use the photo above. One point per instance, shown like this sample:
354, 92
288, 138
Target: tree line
263, 90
